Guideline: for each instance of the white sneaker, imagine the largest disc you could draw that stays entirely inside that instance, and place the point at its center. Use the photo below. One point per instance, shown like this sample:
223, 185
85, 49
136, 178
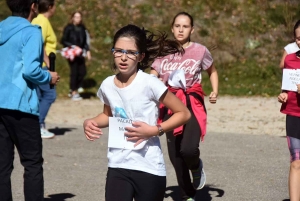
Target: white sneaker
46, 134
199, 177
70, 94
80, 90
76, 97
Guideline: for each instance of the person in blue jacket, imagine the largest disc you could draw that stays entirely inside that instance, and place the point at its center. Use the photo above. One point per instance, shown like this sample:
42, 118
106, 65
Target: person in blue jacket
21, 56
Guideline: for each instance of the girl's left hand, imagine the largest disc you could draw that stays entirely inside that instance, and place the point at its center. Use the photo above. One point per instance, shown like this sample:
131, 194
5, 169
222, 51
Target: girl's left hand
140, 132
213, 97
88, 55
298, 88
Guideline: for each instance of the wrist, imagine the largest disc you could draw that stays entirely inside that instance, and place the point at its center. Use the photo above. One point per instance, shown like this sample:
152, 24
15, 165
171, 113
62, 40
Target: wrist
160, 130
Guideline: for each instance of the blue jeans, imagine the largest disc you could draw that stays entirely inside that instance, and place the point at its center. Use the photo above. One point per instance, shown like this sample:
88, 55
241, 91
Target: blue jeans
46, 97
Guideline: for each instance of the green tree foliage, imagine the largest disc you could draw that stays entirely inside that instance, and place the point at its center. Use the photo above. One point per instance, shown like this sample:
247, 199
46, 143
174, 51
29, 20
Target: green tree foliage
246, 37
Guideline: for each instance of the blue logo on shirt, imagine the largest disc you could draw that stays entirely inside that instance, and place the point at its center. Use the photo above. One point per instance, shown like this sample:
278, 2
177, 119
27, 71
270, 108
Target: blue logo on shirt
120, 112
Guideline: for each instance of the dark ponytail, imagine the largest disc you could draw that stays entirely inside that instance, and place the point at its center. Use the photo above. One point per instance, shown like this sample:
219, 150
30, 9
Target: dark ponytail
152, 45
297, 25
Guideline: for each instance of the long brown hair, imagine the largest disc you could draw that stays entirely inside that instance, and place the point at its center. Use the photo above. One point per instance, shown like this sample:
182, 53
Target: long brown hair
71, 19
152, 45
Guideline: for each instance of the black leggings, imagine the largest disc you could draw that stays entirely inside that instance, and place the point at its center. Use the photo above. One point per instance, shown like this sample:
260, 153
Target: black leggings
184, 154
77, 72
124, 185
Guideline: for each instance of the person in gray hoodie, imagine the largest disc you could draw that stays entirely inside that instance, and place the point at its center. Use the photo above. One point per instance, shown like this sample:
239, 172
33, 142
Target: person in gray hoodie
21, 56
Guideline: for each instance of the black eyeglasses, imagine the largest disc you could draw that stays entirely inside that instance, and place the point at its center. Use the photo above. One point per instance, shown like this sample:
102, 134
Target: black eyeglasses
129, 53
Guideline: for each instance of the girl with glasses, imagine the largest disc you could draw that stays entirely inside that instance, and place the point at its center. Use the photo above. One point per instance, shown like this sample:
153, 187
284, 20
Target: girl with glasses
183, 142
137, 172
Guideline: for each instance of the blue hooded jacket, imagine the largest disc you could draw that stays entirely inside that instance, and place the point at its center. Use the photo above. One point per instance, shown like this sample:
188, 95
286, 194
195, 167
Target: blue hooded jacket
21, 58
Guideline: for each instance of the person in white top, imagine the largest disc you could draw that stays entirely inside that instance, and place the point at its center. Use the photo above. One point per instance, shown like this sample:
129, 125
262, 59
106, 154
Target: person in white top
134, 96
292, 47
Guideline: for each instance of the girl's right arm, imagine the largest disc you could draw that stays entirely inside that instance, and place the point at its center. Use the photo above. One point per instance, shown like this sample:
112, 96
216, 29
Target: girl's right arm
282, 59
92, 127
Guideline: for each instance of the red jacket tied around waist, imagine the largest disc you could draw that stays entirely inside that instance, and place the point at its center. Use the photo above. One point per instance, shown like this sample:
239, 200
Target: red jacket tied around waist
196, 96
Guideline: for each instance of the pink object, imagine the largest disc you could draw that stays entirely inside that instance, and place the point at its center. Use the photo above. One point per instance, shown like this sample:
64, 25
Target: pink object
71, 52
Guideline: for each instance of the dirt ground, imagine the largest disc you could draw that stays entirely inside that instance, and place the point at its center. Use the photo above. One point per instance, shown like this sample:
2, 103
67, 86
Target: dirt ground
242, 115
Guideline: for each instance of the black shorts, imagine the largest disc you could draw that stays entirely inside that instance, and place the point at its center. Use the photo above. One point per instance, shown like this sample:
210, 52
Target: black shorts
125, 184
293, 126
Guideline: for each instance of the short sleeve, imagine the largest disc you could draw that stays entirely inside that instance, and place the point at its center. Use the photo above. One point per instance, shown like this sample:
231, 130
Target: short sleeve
157, 87
101, 95
207, 60
291, 48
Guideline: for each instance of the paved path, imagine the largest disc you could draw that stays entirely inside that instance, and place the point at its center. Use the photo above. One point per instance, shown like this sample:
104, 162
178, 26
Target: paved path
238, 167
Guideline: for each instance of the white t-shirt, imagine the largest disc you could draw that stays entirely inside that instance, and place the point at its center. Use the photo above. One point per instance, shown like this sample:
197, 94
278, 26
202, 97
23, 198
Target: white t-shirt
139, 102
291, 48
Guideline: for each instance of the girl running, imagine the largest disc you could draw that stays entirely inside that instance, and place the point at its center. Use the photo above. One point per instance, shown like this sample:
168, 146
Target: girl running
291, 107
183, 142
138, 172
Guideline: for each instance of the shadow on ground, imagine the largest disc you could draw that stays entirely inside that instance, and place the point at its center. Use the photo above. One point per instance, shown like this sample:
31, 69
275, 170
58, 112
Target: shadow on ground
88, 84
60, 131
205, 194
59, 197
87, 95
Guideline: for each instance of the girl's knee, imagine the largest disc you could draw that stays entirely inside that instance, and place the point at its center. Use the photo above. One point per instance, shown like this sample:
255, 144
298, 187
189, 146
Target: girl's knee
189, 152
296, 165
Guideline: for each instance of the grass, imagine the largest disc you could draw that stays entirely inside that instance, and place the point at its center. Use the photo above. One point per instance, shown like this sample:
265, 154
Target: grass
253, 32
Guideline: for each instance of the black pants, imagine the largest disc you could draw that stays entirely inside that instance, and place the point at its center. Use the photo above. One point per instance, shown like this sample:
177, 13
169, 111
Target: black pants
77, 72
23, 131
124, 185
184, 155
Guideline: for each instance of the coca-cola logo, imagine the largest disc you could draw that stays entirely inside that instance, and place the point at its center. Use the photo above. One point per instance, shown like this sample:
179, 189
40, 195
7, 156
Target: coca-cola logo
189, 66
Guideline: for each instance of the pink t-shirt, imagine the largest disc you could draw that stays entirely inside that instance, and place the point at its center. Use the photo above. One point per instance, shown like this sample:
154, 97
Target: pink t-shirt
195, 58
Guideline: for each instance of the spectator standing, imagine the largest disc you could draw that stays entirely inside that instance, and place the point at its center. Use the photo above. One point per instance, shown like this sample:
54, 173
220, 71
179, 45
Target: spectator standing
21, 56
47, 95
75, 37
